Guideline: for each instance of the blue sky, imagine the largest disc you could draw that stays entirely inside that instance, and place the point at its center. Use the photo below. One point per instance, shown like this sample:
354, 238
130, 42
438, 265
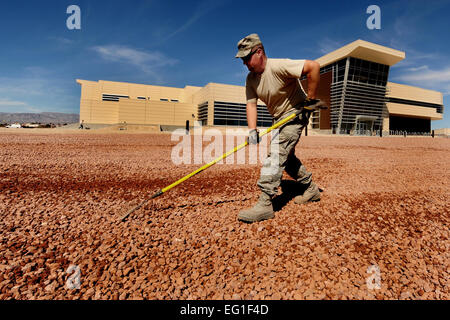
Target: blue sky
178, 43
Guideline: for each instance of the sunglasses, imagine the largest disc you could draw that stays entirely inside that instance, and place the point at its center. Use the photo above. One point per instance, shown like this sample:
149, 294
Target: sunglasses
249, 56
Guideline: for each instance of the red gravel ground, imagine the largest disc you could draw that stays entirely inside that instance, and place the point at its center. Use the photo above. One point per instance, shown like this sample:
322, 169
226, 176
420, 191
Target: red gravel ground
385, 203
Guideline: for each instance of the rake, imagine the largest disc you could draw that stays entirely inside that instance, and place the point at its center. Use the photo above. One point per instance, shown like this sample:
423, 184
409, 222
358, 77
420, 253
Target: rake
213, 162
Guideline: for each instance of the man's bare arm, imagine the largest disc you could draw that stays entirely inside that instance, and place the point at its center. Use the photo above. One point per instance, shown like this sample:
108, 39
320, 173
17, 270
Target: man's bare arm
312, 71
252, 114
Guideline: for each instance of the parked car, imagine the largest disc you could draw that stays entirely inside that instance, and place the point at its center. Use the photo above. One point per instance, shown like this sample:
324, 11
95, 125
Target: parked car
14, 125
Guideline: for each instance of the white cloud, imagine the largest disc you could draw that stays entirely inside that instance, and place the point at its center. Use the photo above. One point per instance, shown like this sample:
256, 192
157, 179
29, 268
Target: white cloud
425, 77
145, 61
409, 22
22, 86
328, 45
201, 10
129, 55
61, 40
7, 105
418, 68
426, 74
415, 57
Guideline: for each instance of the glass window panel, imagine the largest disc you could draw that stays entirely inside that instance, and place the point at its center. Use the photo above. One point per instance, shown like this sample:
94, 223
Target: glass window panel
219, 122
351, 70
365, 64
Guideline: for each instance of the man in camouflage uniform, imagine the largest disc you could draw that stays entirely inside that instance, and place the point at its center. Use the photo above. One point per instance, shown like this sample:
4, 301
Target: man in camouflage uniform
277, 83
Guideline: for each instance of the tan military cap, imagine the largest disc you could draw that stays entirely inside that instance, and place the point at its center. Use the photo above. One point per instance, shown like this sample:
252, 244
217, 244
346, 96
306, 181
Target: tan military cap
246, 45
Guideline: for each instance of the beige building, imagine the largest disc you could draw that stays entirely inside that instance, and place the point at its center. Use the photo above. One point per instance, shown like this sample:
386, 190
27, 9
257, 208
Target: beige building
354, 83
443, 132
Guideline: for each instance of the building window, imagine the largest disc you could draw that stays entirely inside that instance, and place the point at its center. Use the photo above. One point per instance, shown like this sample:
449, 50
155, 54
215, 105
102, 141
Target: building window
174, 100
163, 99
439, 108
363, 71
141, 98
113, 97
410, 125
202, 113
235, 114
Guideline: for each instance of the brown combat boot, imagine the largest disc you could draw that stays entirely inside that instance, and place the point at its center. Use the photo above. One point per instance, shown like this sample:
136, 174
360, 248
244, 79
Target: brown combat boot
312, 193
263, 210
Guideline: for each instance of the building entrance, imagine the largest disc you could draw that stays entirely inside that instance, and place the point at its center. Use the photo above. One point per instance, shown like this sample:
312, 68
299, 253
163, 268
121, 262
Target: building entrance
364, 125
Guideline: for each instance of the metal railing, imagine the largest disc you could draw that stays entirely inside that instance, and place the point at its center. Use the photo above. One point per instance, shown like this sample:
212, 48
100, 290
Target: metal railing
405, 133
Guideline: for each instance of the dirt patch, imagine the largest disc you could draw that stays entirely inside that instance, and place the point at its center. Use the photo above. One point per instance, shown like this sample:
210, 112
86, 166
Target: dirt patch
385, 204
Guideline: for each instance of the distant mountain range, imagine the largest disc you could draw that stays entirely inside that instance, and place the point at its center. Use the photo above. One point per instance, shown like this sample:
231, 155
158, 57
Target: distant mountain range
44, 117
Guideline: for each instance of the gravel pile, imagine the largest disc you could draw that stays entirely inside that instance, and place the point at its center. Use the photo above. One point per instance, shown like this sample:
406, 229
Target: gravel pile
384, 208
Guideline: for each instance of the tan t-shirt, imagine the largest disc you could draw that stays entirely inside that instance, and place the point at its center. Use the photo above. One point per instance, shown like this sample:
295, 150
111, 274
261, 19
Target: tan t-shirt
278, 86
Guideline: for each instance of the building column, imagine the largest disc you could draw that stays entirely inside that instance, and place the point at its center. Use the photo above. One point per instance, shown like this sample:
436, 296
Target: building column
344, 87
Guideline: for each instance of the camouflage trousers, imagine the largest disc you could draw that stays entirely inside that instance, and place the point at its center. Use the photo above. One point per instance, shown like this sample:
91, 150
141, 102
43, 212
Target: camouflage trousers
282, 157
